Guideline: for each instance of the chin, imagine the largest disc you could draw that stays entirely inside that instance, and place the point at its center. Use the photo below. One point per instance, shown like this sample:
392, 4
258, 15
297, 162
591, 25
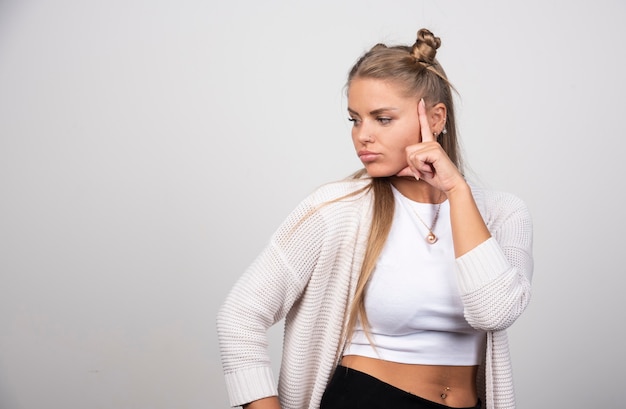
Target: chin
380, 173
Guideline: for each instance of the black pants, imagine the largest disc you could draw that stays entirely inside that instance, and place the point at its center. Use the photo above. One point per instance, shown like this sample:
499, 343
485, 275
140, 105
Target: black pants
351, 389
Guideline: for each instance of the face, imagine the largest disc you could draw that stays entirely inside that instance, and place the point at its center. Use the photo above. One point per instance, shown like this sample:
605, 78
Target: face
385, 122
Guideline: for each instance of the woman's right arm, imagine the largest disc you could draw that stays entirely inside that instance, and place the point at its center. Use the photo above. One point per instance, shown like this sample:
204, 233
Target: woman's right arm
262, 296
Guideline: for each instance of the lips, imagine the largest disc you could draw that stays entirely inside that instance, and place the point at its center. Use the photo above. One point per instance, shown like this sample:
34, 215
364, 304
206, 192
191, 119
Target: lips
367, 156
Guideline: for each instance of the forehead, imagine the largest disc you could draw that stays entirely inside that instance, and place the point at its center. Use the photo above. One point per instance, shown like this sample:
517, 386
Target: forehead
368, 91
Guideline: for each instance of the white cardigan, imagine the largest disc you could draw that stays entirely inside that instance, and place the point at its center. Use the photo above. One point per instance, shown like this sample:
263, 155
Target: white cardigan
308, 272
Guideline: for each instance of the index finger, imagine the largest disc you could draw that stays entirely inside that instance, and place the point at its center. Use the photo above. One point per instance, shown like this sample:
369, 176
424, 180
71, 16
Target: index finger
427, 135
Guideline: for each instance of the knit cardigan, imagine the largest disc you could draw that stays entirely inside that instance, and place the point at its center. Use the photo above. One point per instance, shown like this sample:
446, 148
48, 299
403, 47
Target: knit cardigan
307, 275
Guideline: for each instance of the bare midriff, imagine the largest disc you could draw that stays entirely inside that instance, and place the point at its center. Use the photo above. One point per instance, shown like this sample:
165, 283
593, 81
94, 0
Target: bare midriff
453, 386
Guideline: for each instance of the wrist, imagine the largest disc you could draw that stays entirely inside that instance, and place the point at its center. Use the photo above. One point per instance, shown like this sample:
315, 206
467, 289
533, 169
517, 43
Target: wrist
460, 189
264, 403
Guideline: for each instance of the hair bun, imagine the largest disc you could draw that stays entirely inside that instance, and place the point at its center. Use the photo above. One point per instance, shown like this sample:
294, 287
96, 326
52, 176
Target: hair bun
426, 45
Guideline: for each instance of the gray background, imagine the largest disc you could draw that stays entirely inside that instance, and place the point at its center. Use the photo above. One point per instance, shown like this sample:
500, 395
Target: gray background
148, 149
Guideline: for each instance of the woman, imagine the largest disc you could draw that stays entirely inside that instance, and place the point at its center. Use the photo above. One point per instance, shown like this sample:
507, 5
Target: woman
397, 284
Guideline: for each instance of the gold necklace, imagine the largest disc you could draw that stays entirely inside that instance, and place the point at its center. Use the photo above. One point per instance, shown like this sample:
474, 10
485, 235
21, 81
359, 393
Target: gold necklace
431, 238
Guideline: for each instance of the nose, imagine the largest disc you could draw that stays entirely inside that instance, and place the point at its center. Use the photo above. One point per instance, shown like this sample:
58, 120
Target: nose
363, 133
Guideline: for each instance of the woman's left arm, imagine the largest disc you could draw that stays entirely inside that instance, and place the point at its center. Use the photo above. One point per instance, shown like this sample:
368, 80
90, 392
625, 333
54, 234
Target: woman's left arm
493, 248
494, 277
468, 227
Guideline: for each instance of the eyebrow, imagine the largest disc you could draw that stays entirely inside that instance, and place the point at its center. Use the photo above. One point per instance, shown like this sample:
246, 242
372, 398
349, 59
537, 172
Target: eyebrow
374, 112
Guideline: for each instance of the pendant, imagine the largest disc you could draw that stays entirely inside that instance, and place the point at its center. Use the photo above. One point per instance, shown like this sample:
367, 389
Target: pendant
431, 238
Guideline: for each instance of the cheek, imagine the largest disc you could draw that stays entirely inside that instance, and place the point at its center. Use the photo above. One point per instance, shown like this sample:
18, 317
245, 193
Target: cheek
414, 134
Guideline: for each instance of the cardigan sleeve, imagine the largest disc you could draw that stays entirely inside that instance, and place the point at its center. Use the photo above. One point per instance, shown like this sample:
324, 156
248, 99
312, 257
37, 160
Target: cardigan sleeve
268, 290
494, 278
263, 296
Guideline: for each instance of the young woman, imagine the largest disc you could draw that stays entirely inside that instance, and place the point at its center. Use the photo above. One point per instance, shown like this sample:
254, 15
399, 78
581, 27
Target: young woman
397, 284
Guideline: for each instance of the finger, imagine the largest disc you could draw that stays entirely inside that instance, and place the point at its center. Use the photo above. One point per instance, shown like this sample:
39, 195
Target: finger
408, 172
427, 134
427, 170
421, 164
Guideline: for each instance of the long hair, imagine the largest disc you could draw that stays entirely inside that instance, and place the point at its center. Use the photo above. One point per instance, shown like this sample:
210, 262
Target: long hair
416, 70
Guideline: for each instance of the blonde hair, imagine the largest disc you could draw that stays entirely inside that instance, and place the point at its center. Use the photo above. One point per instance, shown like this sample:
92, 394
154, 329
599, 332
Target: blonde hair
416, 70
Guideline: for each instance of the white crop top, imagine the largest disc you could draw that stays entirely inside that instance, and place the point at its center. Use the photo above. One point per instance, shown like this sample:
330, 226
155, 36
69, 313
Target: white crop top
412, 300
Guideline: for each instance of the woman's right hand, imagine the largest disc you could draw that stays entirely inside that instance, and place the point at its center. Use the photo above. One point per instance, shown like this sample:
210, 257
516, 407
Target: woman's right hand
265, 403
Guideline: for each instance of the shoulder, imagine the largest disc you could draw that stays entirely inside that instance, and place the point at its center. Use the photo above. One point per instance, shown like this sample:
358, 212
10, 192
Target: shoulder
340, 191
330, 210
499, 206
490, 199
503, 211
332, 204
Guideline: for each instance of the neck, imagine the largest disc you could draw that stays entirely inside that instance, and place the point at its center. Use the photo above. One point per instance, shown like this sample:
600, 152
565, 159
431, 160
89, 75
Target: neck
417, 190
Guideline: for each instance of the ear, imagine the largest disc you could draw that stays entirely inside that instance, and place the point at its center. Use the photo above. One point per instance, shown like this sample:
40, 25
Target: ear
437, 117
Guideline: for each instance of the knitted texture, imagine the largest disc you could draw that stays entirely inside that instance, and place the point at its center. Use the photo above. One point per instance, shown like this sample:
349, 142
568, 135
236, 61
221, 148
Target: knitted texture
307, 274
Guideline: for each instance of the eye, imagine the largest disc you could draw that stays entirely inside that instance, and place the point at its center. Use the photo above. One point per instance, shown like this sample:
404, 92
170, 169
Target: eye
354, 121
384, 120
